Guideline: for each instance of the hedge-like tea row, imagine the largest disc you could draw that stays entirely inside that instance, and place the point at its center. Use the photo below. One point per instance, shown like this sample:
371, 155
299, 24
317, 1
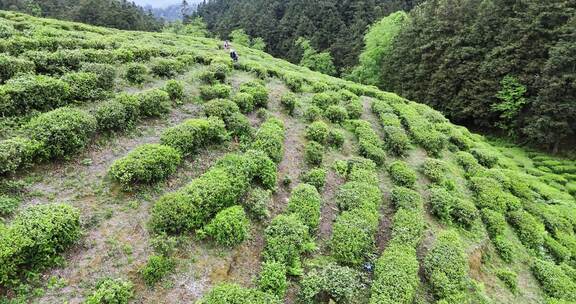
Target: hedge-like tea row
270, 139
12, 66
229, 112
258, 91
226, 293
305, 203
353, 237
194, 134
395, 138
34, 238
371, 146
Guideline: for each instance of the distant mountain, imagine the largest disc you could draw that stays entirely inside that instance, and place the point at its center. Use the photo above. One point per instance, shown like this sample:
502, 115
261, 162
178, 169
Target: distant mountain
172, 12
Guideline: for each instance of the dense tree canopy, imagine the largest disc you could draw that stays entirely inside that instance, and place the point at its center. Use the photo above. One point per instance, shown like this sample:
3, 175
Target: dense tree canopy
121, 14
505, 65
336, 26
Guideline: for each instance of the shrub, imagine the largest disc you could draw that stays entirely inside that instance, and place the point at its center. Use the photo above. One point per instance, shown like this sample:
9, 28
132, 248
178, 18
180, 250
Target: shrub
175, 90
166, 67
115, 291
435, 170
219, 70
396, 276
62, 132
530, 231
464, 213
230, 227
554, 281
556, 250
35, 92
257, 203
446, 265
17, 152
315, 177
312, 113
489, 194
324, 100
156, 268
227, 293
314, 153
273, 279
335, 138
336, 114
509, 278
504, 248
8, 204
270, 139
354, 108
286, 239
194, 134
485, 157
34, 239
118, 114
402, 174
239, 126
209, 92
370, 143
288, 101
220, 108
442, 203
258, 92
245, 102
105, 74
154, 103
494, 221
340, 283
408, 227
146, 164
396, 140
353, 236
83, 86
294, 83
305, 202
317, 131
136, 73
12, 66
406, 198
354, 195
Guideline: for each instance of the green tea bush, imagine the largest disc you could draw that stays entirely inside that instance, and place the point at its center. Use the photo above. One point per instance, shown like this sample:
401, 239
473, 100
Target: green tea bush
83, 86
209, 92
157, 267
136, 73
408, 227
461, 141
485, 157
8, 204
154, 103
13, 66
17, 152
370, 143
314, 153
33, 92
422, 130
509, 278
286, 239
354, 195
146, 164
272, 279
464, 212
270, 139
315, 177
163, 67
305, 203
175, 90
446, 266
289, 101
442, 203
34, 238
221, 108
56, 62
245, 102
336, 114
354, 108
396, 140
229, 227
293, 82
489, 194
340, 283
569, 271
118, 114
194, 134
435, 170
353, 236
219, 71
529, 230
108, 290
556, 250
494, 221
258, 92
324, 100
62, 132
402, 175
406, 198
318, 132
313, 113
396, 276
390, 120
504, 248
256, 204
226, 293
554, 281
105, 74
335, 139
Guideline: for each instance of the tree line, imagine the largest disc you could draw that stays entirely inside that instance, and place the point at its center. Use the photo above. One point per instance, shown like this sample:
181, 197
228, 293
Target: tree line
120, 14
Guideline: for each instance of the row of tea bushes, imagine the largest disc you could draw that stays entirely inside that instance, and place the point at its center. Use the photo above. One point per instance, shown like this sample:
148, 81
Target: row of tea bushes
371, 146
396, 140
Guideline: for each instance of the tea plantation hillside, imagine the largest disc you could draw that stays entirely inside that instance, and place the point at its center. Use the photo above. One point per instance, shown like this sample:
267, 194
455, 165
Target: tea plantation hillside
147, 168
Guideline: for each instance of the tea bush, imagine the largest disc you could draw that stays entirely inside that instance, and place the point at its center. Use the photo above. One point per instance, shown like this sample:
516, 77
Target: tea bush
157, 267
396, 140
270, 139
219, 71
105, 74
354, 195
464, 213
396, 276
556, 250
148, 163
354, 108
61, 132
215, 91
84, 86
370, 143
442, 203
504, 248
408, 227
312, 113
289, 101
554, 281
509, 278
529, 230
118, 114
17, 152
136, 73
34, 238
33, 92
446, 266
402, 174
220, 108
272, 279
335, 139
293, 82
305, 203
229, 227
194, 134
317, 131
256, 204
163, 67
175, 90
315, 177
324, 100
314, 153
245, 102
353, 236
336, 114
154, 103
489, 194
226, 293
435, 170
342, 284
485, 157
258, 92
108, 290
8, 204
13, 66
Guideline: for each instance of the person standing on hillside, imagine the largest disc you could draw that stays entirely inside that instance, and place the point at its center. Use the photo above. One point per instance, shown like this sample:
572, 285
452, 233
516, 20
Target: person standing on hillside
234, 55
226, 44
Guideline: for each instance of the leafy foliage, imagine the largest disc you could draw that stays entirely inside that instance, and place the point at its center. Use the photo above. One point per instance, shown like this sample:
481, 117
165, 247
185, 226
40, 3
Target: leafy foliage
112, 291
229, 227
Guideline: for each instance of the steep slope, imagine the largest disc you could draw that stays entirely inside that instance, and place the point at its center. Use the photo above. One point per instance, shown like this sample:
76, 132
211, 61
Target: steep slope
148, 167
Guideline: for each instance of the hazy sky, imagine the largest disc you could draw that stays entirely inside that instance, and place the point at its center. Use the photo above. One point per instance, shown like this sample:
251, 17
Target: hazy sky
157, 3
